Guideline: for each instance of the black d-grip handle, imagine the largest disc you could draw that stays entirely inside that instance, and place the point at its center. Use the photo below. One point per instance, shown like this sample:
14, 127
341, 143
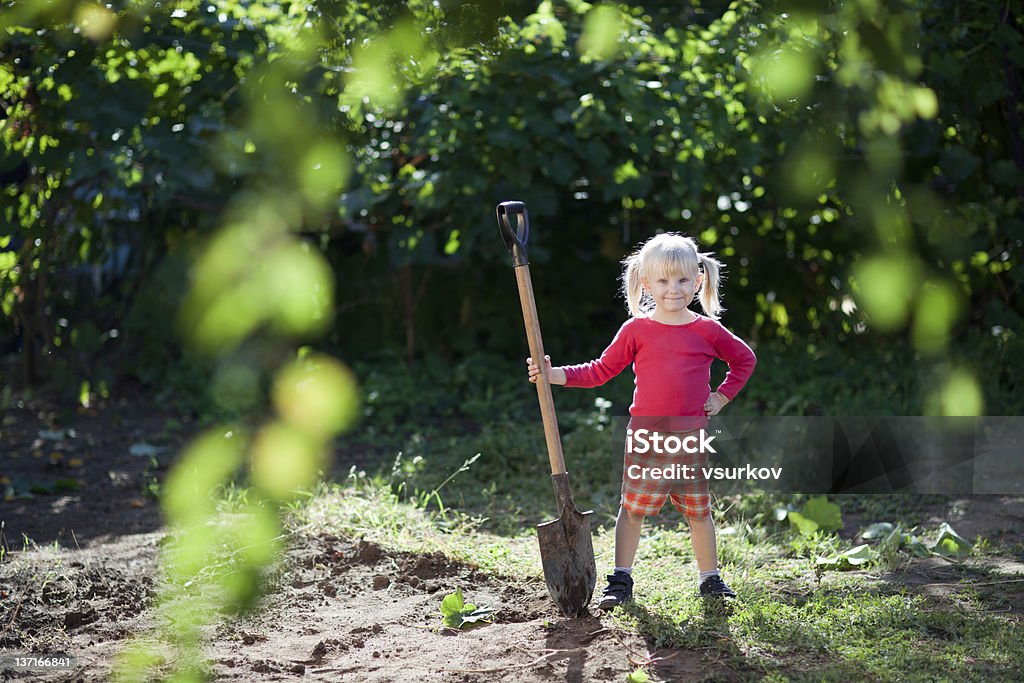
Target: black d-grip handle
514, 223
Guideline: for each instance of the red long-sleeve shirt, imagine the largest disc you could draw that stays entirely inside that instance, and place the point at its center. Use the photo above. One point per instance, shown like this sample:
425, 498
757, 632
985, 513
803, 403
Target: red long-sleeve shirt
672, 366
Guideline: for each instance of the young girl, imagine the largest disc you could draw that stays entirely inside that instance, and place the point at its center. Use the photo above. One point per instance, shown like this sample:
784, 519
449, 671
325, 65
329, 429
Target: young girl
671, 349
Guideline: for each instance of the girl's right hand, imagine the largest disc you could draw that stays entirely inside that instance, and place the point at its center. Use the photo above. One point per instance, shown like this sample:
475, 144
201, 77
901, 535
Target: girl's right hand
554, 375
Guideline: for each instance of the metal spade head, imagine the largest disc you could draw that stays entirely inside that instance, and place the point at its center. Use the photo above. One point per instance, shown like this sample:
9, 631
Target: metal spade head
567, 553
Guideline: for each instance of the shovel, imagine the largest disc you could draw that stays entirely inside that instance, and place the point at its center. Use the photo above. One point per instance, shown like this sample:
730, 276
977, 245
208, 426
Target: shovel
566, 547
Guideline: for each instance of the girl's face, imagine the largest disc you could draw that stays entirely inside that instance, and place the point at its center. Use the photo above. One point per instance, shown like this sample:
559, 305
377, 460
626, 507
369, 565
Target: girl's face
672, 293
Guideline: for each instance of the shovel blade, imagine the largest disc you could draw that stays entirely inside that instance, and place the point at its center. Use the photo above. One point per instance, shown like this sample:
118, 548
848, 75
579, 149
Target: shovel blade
567, 554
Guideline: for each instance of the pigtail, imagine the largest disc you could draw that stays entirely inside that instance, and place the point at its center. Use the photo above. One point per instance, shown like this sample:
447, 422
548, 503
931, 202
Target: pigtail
710, 299
632, 287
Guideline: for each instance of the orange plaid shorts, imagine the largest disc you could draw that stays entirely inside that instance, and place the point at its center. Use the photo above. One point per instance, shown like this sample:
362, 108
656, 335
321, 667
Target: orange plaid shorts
648, 479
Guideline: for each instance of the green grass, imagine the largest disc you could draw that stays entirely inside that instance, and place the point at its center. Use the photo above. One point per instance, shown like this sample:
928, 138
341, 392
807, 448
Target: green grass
847, 623
362, 508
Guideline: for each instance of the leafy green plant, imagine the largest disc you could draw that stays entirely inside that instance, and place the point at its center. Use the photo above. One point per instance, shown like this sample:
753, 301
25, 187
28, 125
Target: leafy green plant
638, 676
458, 614
817, 514
848, 559
950, 544
893, 537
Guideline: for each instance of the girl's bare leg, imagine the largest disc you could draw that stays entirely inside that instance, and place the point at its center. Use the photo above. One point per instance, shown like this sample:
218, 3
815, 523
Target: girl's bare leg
627, 536
702, 535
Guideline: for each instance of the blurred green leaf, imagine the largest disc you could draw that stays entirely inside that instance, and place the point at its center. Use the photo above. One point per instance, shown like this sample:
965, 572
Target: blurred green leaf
317, 394
886, 286
600, 37
938, 308
285, 460
826, 514
208, 462
783, 74
961, 395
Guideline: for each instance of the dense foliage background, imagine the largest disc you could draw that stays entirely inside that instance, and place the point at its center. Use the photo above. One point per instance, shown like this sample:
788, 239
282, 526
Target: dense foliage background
192, 188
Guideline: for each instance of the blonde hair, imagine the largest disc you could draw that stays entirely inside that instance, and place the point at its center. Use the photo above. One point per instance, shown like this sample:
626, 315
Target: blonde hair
666, 255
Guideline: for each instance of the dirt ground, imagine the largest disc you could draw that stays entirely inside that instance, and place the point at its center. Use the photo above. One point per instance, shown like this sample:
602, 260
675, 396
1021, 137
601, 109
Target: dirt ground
80, 557
81, 551
348, 611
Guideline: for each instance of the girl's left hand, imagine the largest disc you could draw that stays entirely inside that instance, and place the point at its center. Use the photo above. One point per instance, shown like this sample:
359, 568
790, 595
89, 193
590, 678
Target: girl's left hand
715, 403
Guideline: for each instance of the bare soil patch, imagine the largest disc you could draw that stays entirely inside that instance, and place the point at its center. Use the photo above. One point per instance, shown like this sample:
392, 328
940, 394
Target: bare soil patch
342, 609
74, 476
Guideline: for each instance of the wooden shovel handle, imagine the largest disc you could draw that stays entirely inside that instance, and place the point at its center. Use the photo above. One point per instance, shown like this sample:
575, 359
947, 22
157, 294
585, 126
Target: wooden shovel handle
516, 241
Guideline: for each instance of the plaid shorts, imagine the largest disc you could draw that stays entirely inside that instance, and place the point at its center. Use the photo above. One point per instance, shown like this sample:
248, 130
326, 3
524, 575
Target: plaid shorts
648, 479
